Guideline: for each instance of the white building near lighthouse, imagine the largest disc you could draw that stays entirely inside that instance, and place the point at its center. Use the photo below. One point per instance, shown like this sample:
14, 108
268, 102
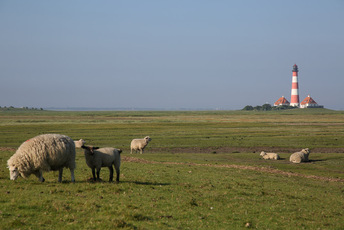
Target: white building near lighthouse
281, 101
308, 102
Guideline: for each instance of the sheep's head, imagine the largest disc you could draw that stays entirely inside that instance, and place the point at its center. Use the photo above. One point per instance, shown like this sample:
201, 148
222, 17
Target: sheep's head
79, 143
306, 151
89, 149
14, 172
263, 153
148, 139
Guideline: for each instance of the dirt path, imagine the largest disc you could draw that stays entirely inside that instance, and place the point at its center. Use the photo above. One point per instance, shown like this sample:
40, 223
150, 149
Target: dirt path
245, 167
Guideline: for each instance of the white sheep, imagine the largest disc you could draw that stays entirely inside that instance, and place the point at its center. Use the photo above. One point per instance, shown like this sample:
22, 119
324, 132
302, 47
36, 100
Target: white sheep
79, 143
41, 154
96, 158
299, 157
270, 156
139, 144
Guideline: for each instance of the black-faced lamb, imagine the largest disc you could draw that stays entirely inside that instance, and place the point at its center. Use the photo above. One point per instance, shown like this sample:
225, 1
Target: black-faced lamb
139, 144
43, 153
270, 156
96, 158
299, 157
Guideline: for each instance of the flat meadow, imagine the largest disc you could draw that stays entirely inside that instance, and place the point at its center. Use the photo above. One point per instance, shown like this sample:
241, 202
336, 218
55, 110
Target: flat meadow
202, 170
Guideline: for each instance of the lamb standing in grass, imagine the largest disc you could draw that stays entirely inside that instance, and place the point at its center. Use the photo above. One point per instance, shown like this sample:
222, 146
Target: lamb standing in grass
43, 153
270, 156
96, 158
299, 157
139, 144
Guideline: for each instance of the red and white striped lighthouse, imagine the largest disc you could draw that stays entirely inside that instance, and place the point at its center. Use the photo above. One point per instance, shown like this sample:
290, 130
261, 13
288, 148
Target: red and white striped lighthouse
294, 101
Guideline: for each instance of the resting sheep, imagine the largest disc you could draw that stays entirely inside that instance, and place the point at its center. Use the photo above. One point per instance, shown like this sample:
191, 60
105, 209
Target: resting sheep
43, 153
270, 156
96, 158
139, 144
299, 157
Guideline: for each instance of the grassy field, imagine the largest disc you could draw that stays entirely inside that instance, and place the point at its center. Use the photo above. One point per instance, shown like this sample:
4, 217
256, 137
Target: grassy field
201, 170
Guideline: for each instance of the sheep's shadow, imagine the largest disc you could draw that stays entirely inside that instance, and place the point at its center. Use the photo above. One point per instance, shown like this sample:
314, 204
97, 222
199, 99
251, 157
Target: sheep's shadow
131, 182
113, 182
308, 162
312, 161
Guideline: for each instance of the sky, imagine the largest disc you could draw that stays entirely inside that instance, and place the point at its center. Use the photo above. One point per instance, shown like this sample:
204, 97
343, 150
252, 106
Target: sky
172, 54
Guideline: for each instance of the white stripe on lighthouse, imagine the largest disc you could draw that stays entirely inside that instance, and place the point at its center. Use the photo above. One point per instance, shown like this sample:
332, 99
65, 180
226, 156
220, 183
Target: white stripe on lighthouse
294, 91
294, 79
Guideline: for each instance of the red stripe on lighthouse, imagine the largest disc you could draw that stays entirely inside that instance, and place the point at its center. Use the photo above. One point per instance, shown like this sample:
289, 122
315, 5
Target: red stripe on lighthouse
295, 98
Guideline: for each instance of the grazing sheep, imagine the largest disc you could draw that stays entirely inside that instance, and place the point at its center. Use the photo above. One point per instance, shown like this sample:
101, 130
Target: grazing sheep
139, 144
41, 154
79, 143
96, 158
270, 156
299, 157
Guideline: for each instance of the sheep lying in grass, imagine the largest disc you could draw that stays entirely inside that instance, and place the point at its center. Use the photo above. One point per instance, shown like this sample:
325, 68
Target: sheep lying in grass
79, 143
270, 156
139, 144
43, 153
96, 158
299, 157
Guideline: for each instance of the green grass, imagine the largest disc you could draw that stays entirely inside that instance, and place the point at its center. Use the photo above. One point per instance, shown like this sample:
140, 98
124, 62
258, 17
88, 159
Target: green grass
189, 177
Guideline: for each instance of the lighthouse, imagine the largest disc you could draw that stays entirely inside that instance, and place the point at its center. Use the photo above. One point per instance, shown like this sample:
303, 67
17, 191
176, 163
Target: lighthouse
294, 101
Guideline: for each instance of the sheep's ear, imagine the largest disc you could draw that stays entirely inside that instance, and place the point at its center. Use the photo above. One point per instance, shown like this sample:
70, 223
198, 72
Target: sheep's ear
89, 148
95, 148
120, 151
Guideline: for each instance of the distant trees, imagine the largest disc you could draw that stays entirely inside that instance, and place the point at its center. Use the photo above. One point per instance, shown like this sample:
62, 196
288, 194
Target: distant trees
283, 107
267, 107
22, 108
248, 107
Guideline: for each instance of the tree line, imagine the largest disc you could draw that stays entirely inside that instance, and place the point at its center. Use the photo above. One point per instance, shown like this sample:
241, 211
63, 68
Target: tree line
267, 107
22, 108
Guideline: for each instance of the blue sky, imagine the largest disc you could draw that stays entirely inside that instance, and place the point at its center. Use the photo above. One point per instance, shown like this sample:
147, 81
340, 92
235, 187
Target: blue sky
169, 54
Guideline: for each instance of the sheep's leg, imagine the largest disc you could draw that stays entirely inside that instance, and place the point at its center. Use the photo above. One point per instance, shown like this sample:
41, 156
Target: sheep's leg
111, 174
39, 175
94, 174
141, 151
117, 174
131, 151
60, 174
297, 161
72, 175
98, 172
